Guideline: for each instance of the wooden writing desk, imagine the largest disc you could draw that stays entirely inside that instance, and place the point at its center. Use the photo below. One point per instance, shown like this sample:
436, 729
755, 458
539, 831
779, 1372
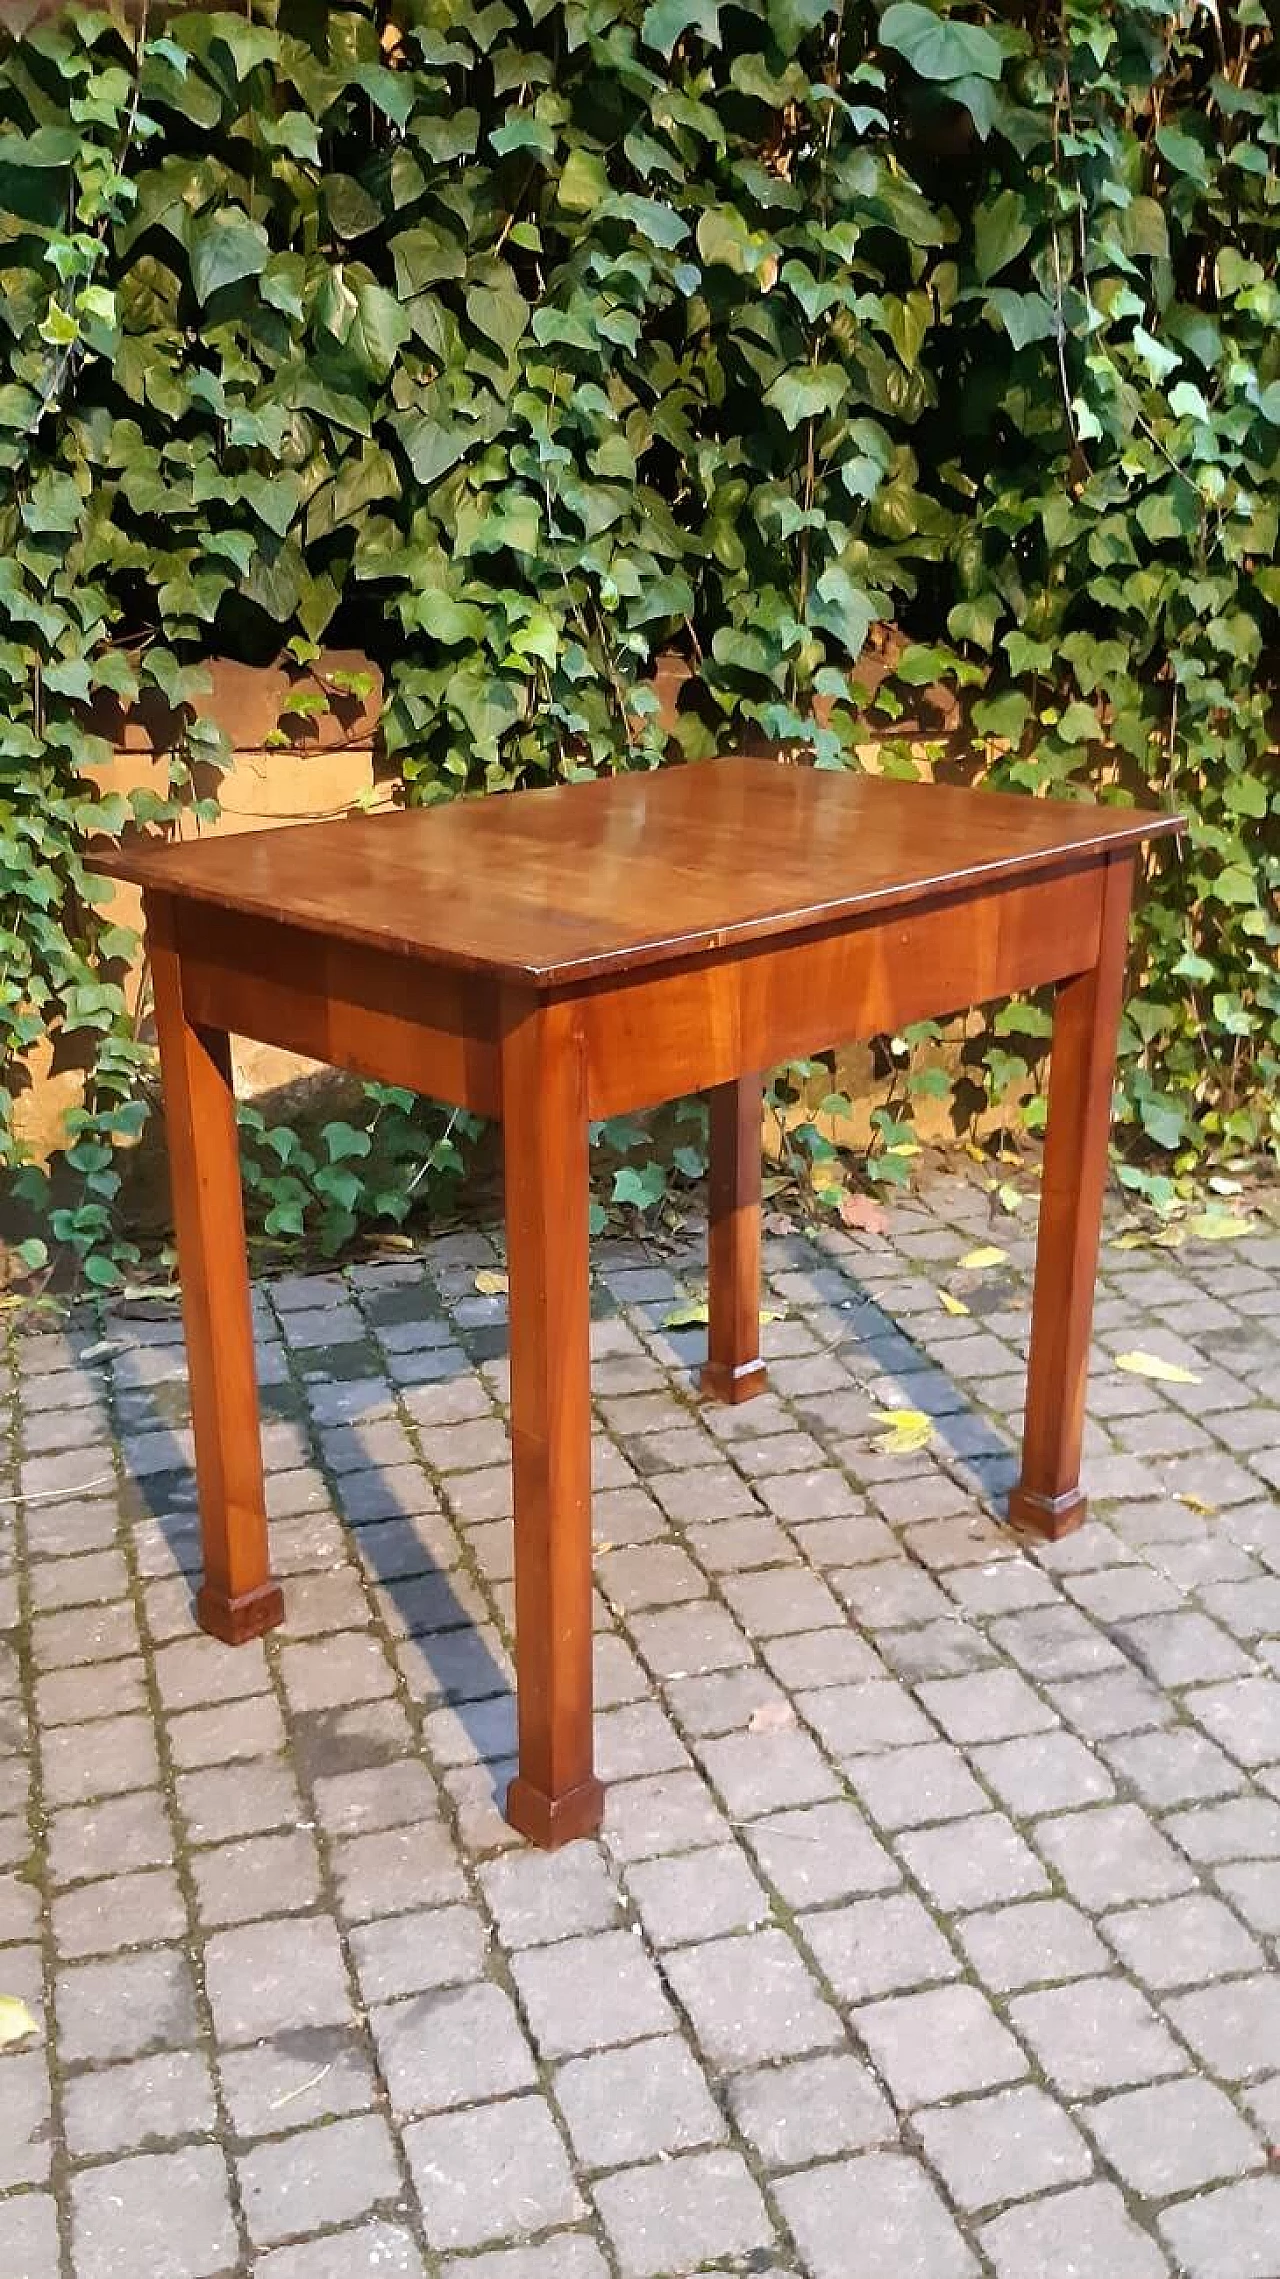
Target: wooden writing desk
560, 955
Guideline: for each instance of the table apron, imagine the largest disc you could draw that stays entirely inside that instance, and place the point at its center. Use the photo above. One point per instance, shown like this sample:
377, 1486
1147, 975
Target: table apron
644, 1039
682, 1030
395, 1019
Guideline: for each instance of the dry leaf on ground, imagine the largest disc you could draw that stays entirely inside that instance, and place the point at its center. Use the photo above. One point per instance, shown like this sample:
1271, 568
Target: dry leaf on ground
1153, 1365
491, 1282
864, 1212
771, 1717
952, 1305
988, 1254
16, 2021
905, 1431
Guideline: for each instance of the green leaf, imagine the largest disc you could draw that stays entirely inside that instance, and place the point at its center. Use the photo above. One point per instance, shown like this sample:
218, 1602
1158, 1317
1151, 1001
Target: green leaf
808, 392
939, 47
225, 248
378, 330
665, 22
583, 184
501, 313
1001, 229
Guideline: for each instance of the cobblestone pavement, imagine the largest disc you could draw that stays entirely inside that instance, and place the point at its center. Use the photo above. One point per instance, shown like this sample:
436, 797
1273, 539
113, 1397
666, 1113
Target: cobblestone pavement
934, 1925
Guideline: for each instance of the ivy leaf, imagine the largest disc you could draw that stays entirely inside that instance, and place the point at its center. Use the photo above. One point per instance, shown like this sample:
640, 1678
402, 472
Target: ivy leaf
501, 313
583, 184
939, 47
224, 248
379, 328
807, 392
666, 21
1000, 231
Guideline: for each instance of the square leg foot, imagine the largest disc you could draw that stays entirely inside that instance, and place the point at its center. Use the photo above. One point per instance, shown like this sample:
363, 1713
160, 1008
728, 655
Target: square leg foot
236, 1620
550, 1821
734, 1384
1049, 1517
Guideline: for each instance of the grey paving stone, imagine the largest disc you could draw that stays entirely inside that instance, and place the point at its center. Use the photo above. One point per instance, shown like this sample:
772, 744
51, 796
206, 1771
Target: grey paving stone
164, 2211
317, 2177
751, 2000
635, 2104
1231, 2234
1243, 1716
1253, 1887
396, 1868
124, 2007
261, 1875
685, 1640
146, 2102
570, 2255
1098, 2033
310, 2073
1012, 2146
386, 2249
1234, 2027
1072, 2235
634, 1739
887, 2204
1182, 1942
853, 1720
408, 1954
938, 2044
1173, 1767
988, 1705
972, 1863
1245, 1828
1044, 1772
540, 1896
878, 1946
672, 1812
1174, 2138
698, 1896
226, 1732
451, 2047
906, 1788
25, 2130
276, 1977
756, 1772
119, 1911
588, 1993
811, 2110
29, 2236
225, 1801
680, 2214
495, 2172
1114, 1854
823, 1853
102, 1759
1033, 1944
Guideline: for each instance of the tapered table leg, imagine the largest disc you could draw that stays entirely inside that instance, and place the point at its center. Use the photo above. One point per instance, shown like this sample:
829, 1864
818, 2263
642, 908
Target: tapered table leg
733, 1371
1048, 1500
555, 1795
239, 1597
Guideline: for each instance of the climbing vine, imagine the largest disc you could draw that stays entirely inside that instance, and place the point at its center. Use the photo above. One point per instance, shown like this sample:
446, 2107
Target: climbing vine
913, 376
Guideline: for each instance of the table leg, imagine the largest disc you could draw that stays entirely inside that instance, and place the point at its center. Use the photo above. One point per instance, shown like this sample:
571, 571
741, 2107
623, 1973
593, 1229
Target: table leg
733, 1371
1048, 1500
239, 1597
555, 1795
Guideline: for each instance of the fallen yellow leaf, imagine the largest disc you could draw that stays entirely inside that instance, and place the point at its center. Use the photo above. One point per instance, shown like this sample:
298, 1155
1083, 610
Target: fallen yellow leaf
1130, 1241
974, 1260
16, 2021
1220, 1226
491, 1283
952, 1305
686, 1316
1010, 1198
1152, 1365
1197, 1503
906, 1430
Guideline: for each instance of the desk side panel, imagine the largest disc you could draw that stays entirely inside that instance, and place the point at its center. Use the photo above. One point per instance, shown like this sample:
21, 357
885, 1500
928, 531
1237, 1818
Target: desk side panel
648, 1040
395, 1019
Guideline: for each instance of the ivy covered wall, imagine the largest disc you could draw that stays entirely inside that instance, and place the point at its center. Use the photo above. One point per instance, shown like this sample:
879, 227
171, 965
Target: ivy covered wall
843, 352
